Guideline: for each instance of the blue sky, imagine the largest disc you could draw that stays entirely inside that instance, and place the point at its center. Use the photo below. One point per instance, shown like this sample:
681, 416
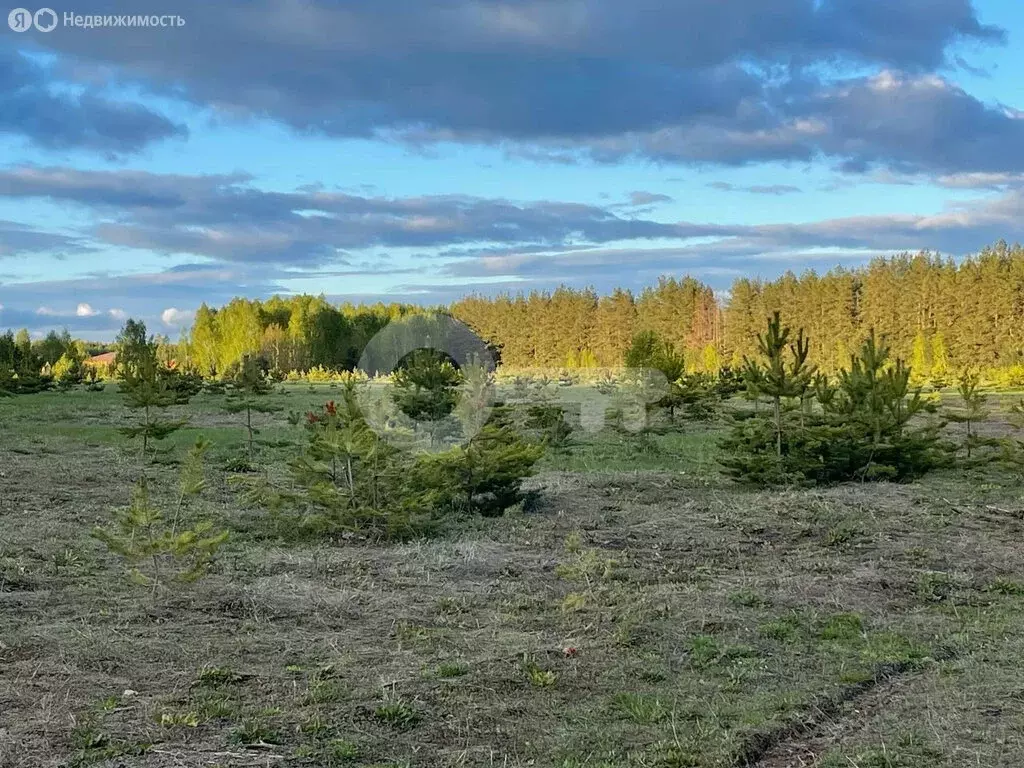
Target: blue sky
417, 150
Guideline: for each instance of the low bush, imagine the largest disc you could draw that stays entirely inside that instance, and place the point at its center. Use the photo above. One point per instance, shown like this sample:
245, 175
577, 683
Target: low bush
347, 480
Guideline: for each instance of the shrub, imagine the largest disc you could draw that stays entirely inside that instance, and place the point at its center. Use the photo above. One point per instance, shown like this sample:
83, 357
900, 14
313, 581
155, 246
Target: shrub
183, 385
549, 423
485, 475
348, 480
23, 382
695, 394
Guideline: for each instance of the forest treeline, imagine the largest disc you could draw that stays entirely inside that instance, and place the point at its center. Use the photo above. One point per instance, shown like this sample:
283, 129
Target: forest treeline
938, 314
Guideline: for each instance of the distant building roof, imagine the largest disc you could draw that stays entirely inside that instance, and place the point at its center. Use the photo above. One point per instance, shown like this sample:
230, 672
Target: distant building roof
107, 358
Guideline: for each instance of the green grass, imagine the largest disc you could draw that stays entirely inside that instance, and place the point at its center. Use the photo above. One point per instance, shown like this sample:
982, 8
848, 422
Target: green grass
642, 612
690, 452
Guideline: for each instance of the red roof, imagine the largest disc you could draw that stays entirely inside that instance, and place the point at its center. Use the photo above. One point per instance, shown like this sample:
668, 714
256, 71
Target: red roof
107, 358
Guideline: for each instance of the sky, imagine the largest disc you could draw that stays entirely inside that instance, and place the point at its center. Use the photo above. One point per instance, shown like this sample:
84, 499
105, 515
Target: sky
420, 150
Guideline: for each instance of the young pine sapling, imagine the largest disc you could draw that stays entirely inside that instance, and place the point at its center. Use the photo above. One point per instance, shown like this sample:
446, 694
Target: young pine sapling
160, 549
248, 395
972, 408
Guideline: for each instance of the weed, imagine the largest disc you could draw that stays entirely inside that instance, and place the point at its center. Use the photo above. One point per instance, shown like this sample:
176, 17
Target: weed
1006, 587
573, 602
934, 586
706, 651
841, 534
322, 691
254, 731
786, 629
537, 676
639, 708
66, 558
449, 669
587, 566
398, 714
190, 719
340, 750
843, 627
214, 677
574, 543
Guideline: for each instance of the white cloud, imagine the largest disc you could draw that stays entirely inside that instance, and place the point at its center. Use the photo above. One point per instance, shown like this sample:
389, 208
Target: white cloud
46, 311
85, 310
176, 318
118, 314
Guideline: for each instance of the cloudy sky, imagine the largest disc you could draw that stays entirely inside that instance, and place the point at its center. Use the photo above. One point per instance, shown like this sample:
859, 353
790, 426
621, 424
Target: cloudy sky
421, 149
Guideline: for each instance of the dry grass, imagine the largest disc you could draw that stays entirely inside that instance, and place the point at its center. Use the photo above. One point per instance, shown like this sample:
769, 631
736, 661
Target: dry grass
655, 618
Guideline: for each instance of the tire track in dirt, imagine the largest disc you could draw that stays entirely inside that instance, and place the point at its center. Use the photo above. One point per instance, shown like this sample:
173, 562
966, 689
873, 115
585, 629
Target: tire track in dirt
801, 744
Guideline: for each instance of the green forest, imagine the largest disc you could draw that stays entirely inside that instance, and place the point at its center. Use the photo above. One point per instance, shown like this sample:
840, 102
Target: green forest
937, 313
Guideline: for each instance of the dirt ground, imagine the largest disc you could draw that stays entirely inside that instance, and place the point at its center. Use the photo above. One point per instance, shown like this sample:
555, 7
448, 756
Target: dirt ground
661, 617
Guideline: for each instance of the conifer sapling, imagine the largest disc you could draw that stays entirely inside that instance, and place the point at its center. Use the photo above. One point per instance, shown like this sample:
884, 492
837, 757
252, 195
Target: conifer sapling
160, 551
249, 389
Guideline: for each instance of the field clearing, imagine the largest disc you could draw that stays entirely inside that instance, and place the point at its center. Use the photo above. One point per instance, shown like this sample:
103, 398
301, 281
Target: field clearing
641, 612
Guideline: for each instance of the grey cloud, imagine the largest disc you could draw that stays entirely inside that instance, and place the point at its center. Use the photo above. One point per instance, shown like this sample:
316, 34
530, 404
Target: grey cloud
647, 198
17, 239
915, 124
693, 81
959, 230
223, 218
52, 118
756, 189
907, 123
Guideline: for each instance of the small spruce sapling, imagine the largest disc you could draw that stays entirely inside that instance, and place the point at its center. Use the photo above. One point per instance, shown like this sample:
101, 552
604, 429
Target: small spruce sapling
861, 428
649, 352
485, 474
347, 479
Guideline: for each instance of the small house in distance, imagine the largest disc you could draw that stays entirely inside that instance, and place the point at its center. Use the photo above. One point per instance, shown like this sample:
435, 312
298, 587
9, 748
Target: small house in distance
104, 364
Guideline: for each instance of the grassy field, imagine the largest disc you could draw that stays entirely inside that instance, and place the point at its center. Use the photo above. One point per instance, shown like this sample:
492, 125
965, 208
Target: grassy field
644, 612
